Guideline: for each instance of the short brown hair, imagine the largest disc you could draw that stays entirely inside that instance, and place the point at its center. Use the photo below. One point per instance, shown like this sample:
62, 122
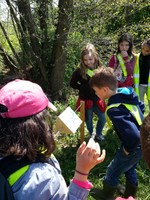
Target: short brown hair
104, 77
145, 138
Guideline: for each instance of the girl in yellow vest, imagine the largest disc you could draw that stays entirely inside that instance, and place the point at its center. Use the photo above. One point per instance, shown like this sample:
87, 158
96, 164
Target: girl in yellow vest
123, 61
89, 60
142, 72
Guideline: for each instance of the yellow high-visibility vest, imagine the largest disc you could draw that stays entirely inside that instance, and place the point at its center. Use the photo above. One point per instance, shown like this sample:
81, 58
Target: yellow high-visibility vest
90, 72
121, 62
136, 77
132, 108
17, 174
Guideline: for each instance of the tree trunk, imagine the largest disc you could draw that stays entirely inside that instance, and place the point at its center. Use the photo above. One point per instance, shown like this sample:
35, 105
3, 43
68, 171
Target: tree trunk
58, 61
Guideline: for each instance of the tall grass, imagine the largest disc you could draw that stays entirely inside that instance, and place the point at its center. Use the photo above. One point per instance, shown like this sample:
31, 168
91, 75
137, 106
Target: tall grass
67, 146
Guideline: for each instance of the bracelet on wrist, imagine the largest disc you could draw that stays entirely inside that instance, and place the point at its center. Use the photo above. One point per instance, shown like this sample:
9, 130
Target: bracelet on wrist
84, 174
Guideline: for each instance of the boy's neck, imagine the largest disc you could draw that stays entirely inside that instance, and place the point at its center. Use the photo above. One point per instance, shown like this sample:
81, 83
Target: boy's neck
111, 93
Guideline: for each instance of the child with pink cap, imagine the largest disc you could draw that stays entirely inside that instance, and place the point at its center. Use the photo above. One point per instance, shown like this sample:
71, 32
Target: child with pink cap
26, 134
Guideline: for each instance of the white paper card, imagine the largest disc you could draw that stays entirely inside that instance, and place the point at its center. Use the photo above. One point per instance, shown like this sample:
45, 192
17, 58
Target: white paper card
69, 121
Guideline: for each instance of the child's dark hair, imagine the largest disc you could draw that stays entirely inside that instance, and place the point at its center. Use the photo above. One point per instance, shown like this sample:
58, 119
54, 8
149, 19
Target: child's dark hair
128, 38
30, 136
104, 77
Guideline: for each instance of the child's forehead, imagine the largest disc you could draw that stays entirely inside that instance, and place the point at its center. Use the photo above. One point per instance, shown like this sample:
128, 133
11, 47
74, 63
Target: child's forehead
89, 55
146, 48
124, 42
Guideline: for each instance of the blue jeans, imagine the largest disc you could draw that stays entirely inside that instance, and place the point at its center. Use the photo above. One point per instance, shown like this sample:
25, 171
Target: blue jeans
123, 164
89, 119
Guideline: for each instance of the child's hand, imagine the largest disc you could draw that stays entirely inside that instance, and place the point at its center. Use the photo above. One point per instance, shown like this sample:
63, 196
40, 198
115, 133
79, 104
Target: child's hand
88, 156
124, 53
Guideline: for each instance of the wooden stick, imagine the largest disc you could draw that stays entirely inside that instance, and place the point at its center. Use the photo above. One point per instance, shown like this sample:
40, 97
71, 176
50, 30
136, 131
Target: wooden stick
82, 117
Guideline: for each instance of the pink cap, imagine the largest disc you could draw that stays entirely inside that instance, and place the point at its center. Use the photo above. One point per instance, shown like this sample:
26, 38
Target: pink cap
22, 98
121, 198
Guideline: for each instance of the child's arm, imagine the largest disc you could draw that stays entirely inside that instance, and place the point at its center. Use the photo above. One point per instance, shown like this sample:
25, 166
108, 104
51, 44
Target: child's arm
129, 64
74, 82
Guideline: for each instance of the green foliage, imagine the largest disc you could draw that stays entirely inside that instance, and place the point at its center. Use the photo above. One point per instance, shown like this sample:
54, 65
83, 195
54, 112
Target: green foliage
3, 42
102, 23
125, 14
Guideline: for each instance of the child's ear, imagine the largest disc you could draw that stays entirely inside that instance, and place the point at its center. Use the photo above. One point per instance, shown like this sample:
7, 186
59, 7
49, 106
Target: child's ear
3, 108
105, 89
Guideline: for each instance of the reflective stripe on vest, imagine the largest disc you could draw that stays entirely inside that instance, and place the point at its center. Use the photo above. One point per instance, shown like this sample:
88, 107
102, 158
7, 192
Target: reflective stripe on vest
136, 77
132, 108
17, 174
148, 90
121, 62
90, 72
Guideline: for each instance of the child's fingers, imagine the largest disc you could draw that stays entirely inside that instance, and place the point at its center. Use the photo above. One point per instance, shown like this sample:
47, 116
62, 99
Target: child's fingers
98, 149
81, 148
102, 157
92, 149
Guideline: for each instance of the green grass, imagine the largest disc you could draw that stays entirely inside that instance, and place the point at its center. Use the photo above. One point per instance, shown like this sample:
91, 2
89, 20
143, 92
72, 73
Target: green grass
67, 146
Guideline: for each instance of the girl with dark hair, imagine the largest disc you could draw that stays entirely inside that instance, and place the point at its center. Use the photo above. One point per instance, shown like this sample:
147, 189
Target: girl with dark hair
123, 61
14, 131
26, 136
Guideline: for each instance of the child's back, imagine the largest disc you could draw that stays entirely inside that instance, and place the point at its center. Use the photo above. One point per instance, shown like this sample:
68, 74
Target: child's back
122, 108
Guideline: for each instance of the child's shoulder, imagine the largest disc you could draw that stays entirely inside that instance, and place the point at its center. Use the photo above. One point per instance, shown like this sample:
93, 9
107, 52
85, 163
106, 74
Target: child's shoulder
113, 56
77, 71
42, 177
136, 54
113, 60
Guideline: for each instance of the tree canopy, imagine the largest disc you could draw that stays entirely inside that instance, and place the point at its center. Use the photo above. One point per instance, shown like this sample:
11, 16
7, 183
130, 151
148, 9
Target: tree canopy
41, 40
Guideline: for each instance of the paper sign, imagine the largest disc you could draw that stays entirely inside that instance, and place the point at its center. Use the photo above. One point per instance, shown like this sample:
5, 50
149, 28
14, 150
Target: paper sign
68, 121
